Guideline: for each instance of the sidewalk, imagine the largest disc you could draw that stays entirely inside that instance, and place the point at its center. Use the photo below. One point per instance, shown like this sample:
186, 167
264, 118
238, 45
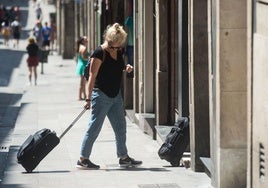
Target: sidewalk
53, 104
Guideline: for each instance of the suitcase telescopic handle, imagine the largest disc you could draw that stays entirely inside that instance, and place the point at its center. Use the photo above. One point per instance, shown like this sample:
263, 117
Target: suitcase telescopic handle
72, 124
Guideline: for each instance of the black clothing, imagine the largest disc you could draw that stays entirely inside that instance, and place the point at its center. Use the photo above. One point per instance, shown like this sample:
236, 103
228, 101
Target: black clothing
32, 49
16, 32
109, 76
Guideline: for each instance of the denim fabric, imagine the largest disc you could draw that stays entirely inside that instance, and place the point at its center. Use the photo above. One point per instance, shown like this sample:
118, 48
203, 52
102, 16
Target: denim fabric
103, 106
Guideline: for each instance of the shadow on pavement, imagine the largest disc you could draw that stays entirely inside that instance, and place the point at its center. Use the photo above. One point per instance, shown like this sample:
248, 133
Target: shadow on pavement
9, 98
48, 172
21, 3
8, 115
13, 186
10, 59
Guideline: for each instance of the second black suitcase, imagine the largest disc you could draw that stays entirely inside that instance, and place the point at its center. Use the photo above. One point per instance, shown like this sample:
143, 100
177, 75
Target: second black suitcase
176, 142
38, 145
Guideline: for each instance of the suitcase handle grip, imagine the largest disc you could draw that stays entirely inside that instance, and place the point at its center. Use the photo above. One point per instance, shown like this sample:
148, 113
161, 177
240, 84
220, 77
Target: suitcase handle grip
72, 124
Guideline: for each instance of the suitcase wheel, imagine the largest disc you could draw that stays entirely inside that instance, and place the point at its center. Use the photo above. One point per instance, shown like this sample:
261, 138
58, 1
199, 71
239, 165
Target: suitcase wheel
175, 163
29, 171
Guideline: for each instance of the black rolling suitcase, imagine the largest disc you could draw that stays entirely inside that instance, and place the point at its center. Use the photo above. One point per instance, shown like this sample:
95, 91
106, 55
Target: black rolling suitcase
38, 145
176, 142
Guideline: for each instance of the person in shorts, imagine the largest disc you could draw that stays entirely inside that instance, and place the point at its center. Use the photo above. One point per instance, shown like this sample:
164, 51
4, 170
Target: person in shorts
46, 31
82, 59
16, 30
32, 60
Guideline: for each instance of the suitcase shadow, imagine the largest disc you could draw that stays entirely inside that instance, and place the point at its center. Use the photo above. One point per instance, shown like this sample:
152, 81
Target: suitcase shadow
47, 172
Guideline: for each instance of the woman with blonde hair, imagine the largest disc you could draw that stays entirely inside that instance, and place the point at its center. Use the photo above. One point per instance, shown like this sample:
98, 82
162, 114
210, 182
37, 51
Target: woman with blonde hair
32, 60
104, 97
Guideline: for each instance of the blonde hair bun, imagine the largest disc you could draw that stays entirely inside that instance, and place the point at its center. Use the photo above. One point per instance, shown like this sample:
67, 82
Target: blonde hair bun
115, 33
117, 27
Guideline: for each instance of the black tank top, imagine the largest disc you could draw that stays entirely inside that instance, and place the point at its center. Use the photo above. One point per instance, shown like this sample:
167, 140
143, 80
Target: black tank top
109, 76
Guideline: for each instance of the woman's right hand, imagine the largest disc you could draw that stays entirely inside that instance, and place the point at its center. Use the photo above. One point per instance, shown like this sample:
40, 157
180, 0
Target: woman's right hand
87, 105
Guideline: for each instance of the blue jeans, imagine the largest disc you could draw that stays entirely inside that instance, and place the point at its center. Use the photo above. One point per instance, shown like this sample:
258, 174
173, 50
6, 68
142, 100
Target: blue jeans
103, 106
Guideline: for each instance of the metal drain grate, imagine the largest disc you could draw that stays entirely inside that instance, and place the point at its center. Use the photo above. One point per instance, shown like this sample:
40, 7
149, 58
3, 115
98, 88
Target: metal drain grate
167, 185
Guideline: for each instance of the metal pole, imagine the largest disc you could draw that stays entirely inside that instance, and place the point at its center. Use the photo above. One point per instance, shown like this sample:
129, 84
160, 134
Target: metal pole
42, 63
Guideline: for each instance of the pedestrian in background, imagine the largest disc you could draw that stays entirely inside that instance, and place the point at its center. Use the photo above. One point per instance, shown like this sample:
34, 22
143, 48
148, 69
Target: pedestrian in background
82, 59
53, 35
32, 60
46, 31
17, 12
37, 33
38, 12
16, 30
6, 31
104, 97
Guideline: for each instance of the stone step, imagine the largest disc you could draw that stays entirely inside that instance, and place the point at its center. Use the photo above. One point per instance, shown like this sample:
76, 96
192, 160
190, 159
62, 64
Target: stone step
207, 163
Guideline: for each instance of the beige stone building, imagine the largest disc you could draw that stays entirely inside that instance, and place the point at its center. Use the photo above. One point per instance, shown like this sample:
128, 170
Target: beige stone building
204, 59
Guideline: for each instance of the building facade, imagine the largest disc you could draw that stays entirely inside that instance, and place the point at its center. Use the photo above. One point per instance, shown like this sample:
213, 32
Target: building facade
202, 59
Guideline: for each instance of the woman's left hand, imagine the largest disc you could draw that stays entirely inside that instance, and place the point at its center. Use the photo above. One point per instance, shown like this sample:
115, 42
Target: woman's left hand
129, 68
